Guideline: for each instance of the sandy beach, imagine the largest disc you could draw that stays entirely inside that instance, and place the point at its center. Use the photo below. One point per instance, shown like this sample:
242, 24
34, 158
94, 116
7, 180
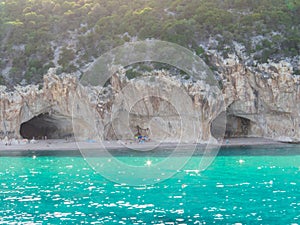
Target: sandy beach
64, 145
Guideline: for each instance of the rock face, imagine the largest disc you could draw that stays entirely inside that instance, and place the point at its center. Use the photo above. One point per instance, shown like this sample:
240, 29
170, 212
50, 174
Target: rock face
37, 112
262, 102
164, 107
268, 96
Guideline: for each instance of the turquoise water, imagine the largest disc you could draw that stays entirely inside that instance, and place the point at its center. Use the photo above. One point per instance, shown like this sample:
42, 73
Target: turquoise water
242, 186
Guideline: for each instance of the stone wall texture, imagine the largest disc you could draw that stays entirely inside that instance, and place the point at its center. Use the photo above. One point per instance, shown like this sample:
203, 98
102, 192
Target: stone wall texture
164, 107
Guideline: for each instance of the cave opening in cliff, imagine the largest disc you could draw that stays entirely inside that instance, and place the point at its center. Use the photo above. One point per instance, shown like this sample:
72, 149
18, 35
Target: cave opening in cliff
46, 125
236, 126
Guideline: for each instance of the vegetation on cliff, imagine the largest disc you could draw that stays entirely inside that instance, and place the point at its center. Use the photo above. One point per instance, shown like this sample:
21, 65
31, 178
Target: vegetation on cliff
38, 34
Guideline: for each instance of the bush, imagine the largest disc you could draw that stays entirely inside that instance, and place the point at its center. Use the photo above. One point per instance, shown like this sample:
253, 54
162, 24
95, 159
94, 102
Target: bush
101, 25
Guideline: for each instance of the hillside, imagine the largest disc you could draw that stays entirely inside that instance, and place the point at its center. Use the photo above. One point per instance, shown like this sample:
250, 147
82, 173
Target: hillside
38, 34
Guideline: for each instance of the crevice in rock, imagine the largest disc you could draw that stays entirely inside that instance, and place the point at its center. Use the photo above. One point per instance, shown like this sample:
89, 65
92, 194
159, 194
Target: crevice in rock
46, 125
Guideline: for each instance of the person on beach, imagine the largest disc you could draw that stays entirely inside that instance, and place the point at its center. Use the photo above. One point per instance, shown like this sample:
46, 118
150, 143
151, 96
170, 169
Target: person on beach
6, 141
32, 141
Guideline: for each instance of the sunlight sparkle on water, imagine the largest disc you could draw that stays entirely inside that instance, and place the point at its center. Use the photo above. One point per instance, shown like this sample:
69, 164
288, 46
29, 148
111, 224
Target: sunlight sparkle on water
241, 161
148, 163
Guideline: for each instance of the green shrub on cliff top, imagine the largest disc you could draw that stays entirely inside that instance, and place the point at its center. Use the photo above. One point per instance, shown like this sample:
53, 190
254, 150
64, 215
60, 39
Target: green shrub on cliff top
95, 26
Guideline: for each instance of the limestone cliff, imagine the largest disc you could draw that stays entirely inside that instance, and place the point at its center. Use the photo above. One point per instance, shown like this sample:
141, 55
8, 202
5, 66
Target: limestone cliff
267, 95
48, 109
261, 101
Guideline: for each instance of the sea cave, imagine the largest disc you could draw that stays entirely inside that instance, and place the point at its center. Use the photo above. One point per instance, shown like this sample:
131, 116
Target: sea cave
47, 126
236, 126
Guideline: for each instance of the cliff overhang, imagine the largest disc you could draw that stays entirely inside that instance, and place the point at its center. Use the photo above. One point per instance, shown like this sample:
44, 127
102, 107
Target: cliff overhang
261, 102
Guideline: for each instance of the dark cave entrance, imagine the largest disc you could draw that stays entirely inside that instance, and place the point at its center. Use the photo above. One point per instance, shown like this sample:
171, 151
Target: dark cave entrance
236, 126
52, 126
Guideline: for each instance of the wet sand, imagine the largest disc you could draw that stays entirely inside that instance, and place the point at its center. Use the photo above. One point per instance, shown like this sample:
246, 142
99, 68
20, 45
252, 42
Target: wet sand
64, 145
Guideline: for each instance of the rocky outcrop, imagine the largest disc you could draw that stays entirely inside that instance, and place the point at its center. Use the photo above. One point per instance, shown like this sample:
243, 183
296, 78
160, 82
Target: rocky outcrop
261, 101
26, 103
169, 108
267, 95
49, 106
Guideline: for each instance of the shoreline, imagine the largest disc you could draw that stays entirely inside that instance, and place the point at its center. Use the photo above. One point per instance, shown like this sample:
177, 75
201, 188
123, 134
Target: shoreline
72, 145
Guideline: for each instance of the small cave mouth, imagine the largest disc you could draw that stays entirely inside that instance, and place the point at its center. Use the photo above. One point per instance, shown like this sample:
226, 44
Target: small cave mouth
235, 126
46, 126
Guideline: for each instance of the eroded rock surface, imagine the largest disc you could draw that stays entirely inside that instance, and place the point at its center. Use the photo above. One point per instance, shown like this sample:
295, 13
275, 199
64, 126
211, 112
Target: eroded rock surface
268, 95
263, 101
